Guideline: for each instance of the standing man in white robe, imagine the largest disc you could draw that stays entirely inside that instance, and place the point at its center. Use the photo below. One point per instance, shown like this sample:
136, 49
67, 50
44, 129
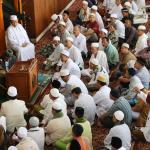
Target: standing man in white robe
142, 39
18, 40
99, 19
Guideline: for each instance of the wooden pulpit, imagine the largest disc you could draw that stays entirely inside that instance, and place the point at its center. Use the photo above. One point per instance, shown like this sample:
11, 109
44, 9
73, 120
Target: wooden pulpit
24, 76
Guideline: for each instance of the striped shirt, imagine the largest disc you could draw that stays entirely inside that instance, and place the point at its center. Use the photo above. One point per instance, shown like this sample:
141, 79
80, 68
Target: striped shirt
123, 105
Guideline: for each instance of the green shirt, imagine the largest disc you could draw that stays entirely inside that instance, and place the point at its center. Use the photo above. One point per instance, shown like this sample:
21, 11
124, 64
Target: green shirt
112, 54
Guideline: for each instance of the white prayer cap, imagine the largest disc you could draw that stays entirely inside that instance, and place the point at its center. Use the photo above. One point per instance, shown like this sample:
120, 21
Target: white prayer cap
114, 16
130, 64
62, 23
69, 39
54, 17
57, 106
64, 72
136, 82
56, 38
22, 132
34, 121
94, 61
92, 14
125, 45
128, 4
85, 2
141, 27
12, 91
13, 18
65, 52
94, 7
54, 92
12, 148
119, 115
104, 30
95, 45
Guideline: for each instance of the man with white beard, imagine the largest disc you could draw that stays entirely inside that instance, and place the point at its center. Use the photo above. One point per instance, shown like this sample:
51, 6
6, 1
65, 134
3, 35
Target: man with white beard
18, 40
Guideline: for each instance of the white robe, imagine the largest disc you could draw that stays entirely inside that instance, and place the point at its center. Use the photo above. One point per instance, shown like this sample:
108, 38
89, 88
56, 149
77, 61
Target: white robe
16, 37
99, 20
109, 4
55, 56
57, 129
141, 4
121, 131
117, 10
38, 135
75, 81
120, 29
47, 111
75, 55
14, 111
93, 76
69, 26
80, 42
27, 144
102, 100
86, 101
141, 43
102, 59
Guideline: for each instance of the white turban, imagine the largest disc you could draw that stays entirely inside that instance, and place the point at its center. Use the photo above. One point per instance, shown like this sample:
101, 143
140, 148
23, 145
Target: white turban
105, 31
13, 18
22, 132
12, 148
34, 121
119, 115
85, 2
128, 4
65, 52
94, 7
54, 17
64, 72
54, 92
12, 91
57, 106
56, 38
125, 45
69, 39
141, 27
95, 45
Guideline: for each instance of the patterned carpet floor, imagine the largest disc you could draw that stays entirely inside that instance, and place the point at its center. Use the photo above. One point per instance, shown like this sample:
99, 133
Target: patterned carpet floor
98, 131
